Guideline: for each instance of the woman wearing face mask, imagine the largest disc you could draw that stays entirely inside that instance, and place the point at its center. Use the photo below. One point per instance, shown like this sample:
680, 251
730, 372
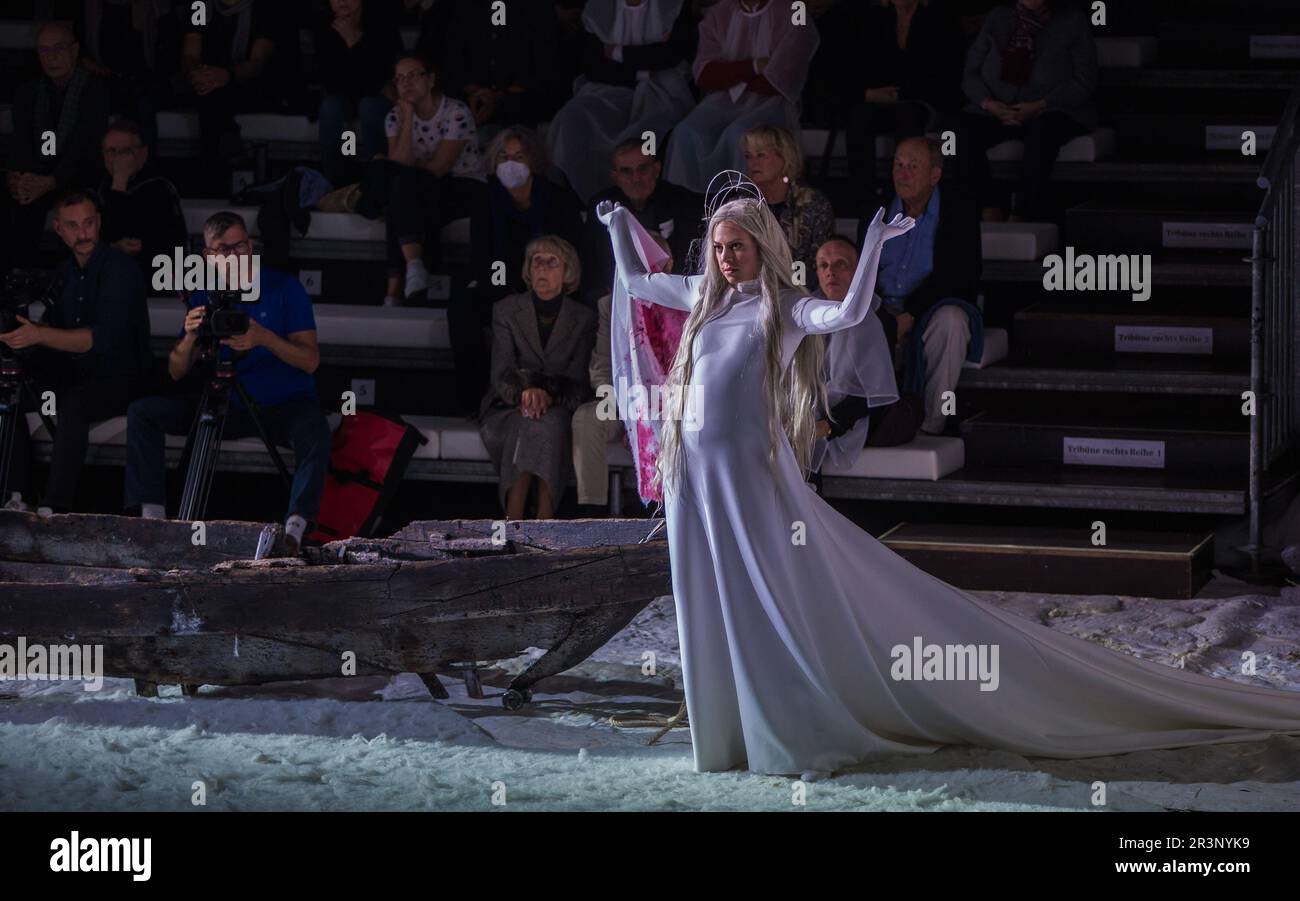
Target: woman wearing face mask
541, 345
522, 205
434, 171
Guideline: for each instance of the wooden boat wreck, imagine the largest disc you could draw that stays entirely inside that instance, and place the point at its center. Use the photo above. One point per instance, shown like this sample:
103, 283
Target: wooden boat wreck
437, 596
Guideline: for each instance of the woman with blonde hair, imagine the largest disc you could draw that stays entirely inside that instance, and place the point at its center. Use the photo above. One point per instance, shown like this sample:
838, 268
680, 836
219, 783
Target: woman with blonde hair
541, 344
774, 162
806, 644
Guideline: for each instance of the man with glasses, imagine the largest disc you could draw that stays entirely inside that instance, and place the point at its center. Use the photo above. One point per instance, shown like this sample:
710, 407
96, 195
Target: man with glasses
275, 357
662, 207
58, 119
142, 211
91, 350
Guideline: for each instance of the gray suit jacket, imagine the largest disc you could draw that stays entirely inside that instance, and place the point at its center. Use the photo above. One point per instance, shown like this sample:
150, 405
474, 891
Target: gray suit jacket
1065, 65
519, 361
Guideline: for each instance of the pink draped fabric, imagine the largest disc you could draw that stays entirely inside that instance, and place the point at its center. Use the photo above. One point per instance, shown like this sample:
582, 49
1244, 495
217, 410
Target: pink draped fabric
644, 339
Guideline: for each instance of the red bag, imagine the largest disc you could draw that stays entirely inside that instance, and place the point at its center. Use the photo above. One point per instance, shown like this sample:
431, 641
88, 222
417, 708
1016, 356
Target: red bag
368, 457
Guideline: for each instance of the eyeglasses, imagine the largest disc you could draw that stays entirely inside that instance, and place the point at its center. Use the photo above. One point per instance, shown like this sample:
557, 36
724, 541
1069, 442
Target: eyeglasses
53, 49
225, 250
540, 262
409, 76
122, 151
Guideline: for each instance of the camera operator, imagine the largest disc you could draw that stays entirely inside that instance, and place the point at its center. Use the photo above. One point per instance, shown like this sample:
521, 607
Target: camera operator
92, 348
276, 358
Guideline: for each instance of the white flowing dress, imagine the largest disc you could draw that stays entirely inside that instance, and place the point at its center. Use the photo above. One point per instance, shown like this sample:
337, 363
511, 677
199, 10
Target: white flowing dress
788, 646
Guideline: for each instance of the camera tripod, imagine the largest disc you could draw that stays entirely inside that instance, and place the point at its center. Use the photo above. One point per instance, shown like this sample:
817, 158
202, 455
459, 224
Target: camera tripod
13, 383
203, 447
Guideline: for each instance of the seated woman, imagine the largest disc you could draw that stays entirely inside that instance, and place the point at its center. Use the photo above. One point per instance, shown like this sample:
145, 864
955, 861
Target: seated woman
774, 162
635, 81
522, 204
434, 171
1031, 76
541, 347
355, 46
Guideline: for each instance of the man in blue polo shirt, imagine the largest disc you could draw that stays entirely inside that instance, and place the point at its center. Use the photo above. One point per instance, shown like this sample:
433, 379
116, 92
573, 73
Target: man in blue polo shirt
91, 350
276, 359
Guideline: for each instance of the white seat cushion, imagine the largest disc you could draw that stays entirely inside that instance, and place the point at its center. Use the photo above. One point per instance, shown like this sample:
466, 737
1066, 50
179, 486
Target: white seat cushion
344, 227
1128, 52
1018, 240
197, 212
997, 344
926, 457
277, 127
1084, 149
458, 438
178, 126
16, 34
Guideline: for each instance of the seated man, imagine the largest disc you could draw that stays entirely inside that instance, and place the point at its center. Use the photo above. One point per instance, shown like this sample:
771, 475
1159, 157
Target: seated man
276, 359
591, 433
142, 211
929, 279
661, 206
93, 349
58, 120
865, 407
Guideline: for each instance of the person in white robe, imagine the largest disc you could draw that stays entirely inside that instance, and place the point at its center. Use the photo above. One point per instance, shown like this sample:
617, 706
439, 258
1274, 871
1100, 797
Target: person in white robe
752, 63
636, 81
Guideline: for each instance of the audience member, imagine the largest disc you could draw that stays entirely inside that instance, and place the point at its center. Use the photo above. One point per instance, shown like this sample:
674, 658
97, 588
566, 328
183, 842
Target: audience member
635, 81
142, 211
541, 347
1031, 76
356, 42
92, 350
274, 362
751, 66
774, 163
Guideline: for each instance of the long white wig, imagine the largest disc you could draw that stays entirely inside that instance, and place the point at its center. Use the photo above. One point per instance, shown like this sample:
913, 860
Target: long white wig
792, 398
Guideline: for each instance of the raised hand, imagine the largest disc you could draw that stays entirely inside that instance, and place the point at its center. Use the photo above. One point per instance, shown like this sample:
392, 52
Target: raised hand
605, 211
879, 231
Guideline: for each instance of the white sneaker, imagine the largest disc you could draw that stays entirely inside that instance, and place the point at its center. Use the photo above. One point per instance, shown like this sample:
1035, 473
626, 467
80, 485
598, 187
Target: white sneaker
44, 511
294, 526
417, 280
391, 301
153, 511
16, 503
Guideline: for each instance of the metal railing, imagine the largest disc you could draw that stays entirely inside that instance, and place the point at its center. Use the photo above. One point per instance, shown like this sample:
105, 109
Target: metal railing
1275, 296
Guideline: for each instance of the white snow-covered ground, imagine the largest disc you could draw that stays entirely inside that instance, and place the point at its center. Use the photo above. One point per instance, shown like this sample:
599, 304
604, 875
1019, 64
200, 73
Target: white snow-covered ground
379, 744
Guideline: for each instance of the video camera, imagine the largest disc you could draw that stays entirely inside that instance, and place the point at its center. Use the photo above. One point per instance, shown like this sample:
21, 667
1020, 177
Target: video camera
225, 318
22, 288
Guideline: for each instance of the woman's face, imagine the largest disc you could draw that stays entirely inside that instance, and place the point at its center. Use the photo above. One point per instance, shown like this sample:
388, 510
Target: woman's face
513, 149
345, 9
413, 82
547, 272
736, 253
763, 165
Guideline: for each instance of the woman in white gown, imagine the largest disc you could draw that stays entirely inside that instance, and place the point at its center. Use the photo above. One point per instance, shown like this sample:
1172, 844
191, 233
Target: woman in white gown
805, 643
